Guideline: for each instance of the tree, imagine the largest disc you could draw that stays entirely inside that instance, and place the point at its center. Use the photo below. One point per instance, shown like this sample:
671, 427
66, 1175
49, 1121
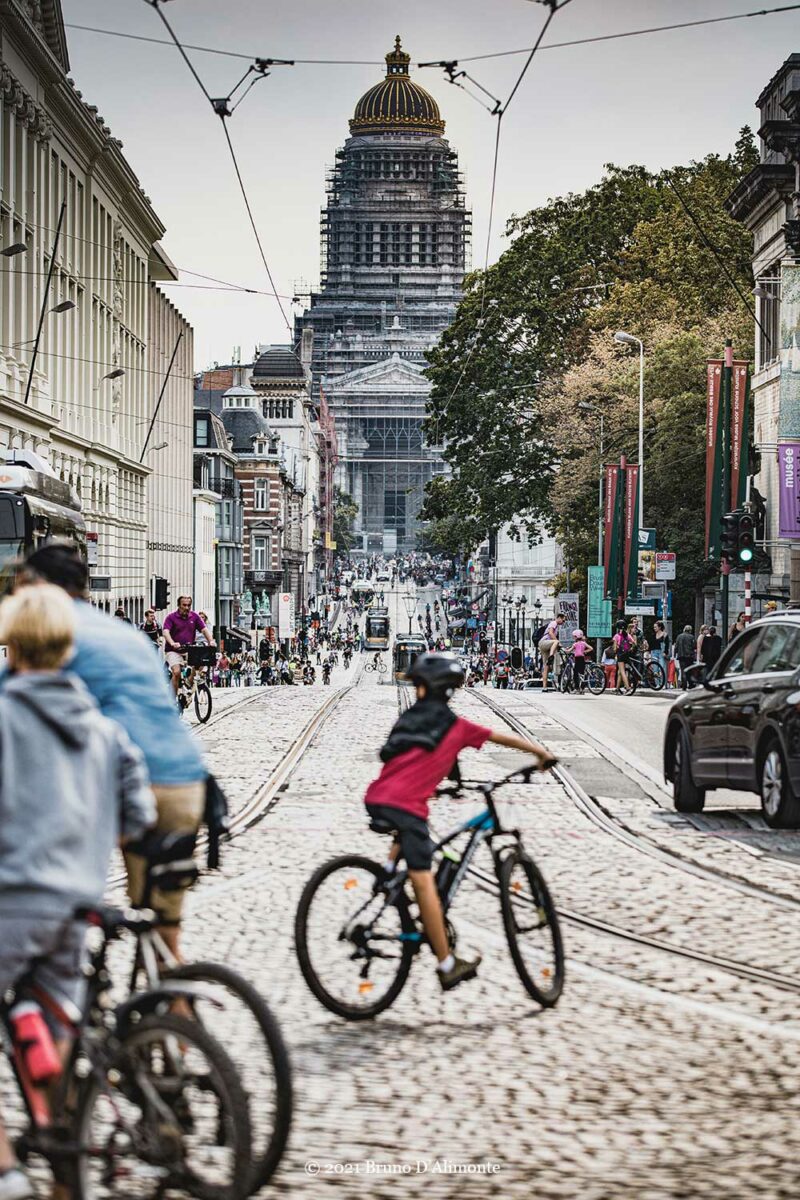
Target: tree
345, 511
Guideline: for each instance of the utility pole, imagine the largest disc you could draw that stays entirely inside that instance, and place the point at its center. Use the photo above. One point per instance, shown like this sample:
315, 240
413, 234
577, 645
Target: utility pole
727, 375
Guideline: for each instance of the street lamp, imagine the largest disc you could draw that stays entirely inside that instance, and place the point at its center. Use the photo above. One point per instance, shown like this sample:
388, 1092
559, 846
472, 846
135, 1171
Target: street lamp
593, 408
410, 605
521, 602
10, 251
627, 339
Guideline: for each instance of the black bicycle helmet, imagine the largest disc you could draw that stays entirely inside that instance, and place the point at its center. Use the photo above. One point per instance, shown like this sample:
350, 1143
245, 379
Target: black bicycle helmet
441, 674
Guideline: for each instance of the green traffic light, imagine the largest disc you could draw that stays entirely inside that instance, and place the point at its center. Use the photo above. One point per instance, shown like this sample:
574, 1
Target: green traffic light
746, 555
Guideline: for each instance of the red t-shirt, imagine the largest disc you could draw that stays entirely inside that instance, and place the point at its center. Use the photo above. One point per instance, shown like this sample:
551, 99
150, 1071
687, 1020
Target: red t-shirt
409, 780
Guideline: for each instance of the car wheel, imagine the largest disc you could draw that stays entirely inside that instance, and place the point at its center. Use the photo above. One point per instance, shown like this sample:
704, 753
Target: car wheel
781, 808
688, 797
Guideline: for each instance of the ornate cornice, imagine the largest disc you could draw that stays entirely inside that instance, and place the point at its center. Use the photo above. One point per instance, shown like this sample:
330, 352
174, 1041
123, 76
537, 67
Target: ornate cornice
32, 115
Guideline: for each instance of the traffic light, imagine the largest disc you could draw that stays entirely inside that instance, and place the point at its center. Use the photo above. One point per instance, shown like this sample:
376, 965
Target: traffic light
729, 538
746, 540
160, 592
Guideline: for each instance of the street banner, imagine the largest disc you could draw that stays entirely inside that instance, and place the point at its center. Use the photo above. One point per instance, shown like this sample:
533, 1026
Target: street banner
789, 489
612, 533
713, 456
567, 603
647, 539
740, 404
286, 624
631, 531
789, 348
666, 563
598, 616
647, 564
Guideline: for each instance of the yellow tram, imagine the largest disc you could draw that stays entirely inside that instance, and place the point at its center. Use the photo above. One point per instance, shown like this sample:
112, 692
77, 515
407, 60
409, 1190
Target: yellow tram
376, 631
406, 648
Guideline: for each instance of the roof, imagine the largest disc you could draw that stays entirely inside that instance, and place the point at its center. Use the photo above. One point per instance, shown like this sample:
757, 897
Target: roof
278, 362
244, 424
397, 105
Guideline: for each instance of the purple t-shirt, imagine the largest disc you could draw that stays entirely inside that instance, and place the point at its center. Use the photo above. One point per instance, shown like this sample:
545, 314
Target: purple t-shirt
183, 629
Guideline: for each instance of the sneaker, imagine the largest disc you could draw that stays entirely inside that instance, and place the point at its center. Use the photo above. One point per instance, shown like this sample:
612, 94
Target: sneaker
15, 1185
462, 970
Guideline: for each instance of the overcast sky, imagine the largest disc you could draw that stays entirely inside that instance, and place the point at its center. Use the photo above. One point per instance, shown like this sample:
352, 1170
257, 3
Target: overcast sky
658, 100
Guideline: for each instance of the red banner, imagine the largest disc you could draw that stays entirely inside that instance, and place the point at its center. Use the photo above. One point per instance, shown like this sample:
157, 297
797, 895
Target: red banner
611, 532
739, 447
631, 529
713, 456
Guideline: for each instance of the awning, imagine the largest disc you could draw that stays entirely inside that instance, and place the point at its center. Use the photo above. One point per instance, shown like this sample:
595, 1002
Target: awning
238, 635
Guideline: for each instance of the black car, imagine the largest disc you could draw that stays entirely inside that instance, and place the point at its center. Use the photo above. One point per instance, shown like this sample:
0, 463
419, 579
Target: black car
740, 728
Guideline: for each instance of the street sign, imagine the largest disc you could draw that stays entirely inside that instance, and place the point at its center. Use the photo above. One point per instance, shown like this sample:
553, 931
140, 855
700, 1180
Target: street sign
286, 627
91, 548
640, 608
100, 583
666, 563
647, 539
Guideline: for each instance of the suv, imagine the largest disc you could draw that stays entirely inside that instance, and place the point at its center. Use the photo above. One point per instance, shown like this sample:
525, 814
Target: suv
740, 728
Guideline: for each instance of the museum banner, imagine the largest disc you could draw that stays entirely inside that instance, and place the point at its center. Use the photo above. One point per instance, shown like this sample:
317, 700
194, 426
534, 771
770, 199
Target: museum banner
789, 492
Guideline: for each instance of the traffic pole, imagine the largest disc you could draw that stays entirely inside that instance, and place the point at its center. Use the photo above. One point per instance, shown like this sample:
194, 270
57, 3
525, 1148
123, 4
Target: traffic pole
748, 599
727, 377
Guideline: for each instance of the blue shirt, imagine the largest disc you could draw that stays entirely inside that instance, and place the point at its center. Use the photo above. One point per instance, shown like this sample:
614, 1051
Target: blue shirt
117, 664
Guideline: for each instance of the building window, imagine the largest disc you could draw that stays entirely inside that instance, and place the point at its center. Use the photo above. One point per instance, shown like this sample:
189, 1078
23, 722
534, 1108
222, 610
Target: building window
261, 502
261, 553
201, 431
769, 315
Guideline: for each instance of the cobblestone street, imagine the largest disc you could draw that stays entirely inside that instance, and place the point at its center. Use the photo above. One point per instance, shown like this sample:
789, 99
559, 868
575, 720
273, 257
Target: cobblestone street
633, 1086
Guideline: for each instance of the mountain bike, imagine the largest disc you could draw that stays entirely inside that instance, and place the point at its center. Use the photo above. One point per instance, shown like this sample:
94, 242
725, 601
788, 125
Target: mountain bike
356, 935
648, 674
226, 1004
147, 1102
594, 677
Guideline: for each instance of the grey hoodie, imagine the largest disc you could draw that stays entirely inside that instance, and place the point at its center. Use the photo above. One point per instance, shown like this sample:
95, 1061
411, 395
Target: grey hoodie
71, 783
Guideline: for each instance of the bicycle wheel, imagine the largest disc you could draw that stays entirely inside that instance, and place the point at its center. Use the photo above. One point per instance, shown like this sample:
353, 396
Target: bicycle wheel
166, 1113
565, 680
654, 676
532, 929
234, 1005
202, 702
349, 941
369, 667
595, 678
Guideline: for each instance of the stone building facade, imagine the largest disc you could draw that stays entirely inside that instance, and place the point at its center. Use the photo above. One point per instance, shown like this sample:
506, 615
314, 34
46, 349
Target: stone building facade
395, 238
69, 199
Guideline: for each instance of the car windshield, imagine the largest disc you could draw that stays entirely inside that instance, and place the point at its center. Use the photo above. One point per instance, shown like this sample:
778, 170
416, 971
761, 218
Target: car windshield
778, 649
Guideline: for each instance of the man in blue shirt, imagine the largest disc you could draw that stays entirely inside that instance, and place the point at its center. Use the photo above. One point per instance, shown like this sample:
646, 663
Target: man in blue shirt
128, 681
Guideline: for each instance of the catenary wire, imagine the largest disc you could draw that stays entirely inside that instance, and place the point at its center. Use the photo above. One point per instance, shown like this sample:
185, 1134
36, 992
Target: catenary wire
78, 278
369, 62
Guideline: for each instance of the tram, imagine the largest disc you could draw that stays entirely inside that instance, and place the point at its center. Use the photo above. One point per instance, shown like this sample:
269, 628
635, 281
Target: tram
376, 632
406, 648
363, 593
35, 507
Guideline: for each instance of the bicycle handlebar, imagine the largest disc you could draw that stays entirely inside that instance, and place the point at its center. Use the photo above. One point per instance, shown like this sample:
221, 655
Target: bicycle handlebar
487, 787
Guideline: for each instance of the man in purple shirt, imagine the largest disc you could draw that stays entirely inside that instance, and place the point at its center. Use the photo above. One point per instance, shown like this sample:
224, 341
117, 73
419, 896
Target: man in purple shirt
180, 629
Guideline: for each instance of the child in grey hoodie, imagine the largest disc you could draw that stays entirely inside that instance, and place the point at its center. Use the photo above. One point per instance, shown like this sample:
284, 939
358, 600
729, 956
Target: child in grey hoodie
72, 786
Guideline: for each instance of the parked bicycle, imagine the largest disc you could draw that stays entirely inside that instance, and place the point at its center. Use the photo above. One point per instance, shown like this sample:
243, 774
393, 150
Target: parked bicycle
594, 677
148, 1102
357, 936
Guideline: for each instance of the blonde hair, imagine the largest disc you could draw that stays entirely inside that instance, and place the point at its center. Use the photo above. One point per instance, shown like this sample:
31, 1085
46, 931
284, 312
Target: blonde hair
39, 623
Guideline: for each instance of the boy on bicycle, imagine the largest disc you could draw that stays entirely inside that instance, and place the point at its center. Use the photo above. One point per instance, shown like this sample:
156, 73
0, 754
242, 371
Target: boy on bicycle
422, 750
72, 785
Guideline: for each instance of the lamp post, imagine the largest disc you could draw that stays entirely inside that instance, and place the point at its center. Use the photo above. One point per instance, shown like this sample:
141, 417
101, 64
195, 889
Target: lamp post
523, 600
627, 339
410, 604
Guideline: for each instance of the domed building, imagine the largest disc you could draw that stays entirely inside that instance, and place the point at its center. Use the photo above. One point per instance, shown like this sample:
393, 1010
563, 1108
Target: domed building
395, 237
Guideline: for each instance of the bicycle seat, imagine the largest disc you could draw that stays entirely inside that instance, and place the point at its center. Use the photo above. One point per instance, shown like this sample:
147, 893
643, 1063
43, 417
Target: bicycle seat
113, 920
381, 825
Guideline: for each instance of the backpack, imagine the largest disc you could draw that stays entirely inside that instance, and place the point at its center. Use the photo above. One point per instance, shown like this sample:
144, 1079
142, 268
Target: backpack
539, 634
216, 817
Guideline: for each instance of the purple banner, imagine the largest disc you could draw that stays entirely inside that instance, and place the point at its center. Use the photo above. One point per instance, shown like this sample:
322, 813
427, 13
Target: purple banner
789, 489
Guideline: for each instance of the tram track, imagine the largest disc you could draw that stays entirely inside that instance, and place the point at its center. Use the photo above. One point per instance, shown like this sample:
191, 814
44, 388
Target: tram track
586, 805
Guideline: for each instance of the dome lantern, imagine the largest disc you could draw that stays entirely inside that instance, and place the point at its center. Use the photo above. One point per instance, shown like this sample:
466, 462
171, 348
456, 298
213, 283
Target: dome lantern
397, 104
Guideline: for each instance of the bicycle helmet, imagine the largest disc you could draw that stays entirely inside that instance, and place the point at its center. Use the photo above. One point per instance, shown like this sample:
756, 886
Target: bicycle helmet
577, 633
441, 674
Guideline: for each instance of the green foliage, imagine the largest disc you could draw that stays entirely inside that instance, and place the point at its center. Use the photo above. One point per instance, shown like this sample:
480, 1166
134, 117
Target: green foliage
345, 511
533, 339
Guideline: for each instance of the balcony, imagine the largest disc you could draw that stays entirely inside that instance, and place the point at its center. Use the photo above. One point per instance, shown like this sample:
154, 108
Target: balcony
261, 579
224, 487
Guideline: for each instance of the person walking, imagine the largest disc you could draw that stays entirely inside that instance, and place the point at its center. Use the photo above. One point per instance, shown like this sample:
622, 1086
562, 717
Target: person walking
662, 645
685, 652
738, 626
712, 648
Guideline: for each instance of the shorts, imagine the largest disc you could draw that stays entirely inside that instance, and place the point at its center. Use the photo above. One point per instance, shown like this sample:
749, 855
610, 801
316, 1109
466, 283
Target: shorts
175, 659
50, 951
416, 843
180, 808
547, 644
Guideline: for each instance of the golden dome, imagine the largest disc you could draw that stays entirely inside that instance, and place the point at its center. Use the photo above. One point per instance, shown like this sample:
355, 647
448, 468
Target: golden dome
396, 105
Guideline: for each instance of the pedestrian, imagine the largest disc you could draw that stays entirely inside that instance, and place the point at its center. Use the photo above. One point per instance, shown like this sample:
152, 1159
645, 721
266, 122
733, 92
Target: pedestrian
661, 648
581, 650
121, 615
151, 628
72, 786
684, 653
738, 626
698, 650
712, 648
624, 646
